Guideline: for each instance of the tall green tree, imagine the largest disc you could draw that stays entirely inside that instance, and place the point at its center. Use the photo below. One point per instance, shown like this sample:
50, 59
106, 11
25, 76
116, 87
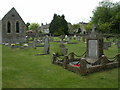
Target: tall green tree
58, 25
107, 17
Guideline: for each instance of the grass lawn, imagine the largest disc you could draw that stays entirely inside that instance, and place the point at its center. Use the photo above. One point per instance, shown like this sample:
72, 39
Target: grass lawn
22, 69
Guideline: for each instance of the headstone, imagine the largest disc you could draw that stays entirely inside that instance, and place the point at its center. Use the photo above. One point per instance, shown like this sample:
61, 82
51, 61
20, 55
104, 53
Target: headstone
114, 41
83, 63
61, 37
46, 45
109, 44
63, 49
6, 44
105, 45
94, 46
78, 38
74, 37
118, 44
68, 38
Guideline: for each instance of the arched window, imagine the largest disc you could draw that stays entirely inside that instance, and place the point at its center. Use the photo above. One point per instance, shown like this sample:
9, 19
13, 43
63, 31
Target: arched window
17, 27
8, 27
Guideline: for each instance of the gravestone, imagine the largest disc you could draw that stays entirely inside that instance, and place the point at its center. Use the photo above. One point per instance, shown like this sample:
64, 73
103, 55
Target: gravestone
63, 49
34, 44
109, 44
94, 46
114, 41
46, 45
66, 36
118, 44
68, 39
61, 37
6, 44
105, 45
74, 37
78, 38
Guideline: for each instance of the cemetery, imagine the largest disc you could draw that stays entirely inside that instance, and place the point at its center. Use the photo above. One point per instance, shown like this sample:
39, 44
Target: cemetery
94, 59
39, 68
60, 54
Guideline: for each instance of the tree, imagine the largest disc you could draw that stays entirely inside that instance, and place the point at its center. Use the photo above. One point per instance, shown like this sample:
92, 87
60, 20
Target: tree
88, 27
58, 25
107, 17
34, 26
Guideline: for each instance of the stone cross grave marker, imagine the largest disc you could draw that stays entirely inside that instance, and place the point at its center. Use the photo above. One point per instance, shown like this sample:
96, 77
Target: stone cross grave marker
94, 46
46, 45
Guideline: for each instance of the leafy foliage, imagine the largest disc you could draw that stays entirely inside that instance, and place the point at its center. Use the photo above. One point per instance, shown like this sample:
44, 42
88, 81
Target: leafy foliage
88, 27
107, 17
34, 26
58, 25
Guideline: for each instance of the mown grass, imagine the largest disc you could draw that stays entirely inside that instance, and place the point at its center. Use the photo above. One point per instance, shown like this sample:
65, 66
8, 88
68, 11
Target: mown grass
22, 69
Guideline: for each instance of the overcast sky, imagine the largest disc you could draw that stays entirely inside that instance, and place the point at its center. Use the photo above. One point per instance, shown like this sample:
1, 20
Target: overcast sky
42, 11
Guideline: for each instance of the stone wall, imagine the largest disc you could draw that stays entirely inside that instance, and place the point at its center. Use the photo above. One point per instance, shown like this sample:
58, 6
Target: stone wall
12, 16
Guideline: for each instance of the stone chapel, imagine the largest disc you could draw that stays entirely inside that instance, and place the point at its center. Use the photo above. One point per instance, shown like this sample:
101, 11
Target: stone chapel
13, 27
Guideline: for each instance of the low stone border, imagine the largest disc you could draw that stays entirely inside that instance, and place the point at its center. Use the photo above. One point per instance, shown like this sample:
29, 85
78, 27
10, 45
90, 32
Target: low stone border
83, 69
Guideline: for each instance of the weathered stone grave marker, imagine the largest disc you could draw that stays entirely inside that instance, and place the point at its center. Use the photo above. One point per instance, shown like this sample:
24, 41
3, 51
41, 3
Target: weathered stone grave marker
74, 37
94, 46
105, 45
63, 49
109, 44
68, 39
114, 41
46, 45
118, 44
78, 37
